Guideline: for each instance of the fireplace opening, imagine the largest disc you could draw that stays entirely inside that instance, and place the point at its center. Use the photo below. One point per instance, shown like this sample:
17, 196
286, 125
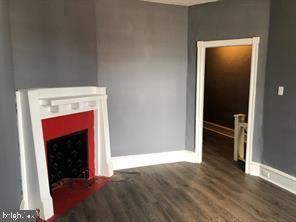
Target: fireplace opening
67, 158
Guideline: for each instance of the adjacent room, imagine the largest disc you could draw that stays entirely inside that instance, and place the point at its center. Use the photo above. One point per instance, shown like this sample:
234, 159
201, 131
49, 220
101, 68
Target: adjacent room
147, 110
226, 101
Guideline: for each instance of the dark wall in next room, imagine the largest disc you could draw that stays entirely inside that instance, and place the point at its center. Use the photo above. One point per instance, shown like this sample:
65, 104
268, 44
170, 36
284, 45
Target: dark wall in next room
227, 81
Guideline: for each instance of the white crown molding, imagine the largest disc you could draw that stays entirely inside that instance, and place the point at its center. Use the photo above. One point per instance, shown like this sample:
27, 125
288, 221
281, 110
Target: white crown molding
133, 161
181, 2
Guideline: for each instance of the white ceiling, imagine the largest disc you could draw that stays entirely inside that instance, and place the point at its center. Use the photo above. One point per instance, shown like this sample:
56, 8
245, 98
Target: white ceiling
182, 2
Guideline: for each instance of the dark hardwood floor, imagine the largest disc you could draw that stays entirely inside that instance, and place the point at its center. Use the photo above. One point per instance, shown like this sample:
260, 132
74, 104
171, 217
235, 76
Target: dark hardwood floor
217, 190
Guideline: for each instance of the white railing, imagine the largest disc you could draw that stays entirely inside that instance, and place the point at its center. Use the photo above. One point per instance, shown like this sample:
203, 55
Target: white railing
240, 136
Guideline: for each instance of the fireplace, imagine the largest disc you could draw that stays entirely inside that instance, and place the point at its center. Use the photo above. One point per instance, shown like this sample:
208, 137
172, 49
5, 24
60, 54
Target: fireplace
67, 158
64, 137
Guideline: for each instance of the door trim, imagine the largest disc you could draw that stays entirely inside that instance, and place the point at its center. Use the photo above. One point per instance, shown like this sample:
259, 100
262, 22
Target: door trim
200, 81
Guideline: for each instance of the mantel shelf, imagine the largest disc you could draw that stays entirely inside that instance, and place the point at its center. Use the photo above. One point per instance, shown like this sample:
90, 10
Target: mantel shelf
67, 100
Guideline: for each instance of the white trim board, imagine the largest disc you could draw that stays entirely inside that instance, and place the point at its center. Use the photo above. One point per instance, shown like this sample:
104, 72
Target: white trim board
274, 176
200, 81
216, 128
133, 161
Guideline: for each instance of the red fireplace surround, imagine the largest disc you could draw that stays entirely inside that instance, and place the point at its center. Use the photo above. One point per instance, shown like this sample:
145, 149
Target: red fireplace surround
65, 197
64, 125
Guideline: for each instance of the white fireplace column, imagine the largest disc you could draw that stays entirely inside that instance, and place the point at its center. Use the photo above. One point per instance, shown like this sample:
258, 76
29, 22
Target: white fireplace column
34, 105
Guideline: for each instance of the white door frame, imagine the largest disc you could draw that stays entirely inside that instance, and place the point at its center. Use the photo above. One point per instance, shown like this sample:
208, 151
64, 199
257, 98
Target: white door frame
200, 81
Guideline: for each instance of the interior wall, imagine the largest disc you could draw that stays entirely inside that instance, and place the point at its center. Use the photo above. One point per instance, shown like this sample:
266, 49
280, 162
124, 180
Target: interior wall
10, 192
279, 111
54, 43
228, 19
142, 59
42, 44
227, 82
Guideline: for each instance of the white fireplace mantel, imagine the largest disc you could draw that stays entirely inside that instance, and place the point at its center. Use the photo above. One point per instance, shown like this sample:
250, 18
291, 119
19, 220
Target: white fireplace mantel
34, 105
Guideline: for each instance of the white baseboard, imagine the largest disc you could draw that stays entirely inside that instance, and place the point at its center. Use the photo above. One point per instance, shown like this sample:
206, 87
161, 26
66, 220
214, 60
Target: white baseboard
133, 161
274, 176
254, 169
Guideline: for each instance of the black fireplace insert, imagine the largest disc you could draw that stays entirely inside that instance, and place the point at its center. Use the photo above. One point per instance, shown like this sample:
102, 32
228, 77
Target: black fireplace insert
67, 157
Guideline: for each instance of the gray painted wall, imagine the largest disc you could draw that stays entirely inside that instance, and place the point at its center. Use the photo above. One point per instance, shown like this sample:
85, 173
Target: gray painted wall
142, 59
228, 19
279, 111
9, 159
51, 45
54, 43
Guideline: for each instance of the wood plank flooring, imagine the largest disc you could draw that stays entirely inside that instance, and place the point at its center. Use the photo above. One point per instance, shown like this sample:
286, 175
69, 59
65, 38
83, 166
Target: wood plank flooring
216, 190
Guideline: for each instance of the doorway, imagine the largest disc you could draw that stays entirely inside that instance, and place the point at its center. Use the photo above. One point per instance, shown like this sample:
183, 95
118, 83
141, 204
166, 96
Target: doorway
203, 46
